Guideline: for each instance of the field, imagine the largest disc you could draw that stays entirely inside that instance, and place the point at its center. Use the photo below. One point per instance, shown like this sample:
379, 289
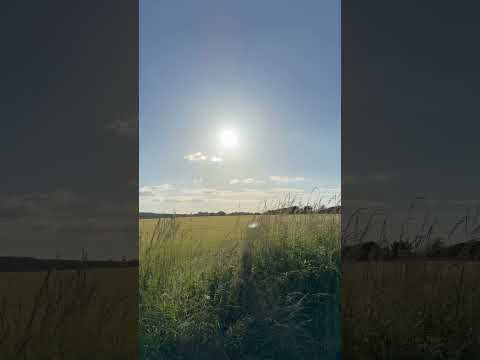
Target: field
77, 314
411, 310
224, 287
411, 305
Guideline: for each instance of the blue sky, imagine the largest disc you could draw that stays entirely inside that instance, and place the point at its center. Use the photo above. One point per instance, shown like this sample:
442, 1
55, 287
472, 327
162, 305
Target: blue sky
266, 70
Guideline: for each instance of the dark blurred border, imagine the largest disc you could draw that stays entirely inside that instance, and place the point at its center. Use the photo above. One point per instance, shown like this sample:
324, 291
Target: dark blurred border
410, 194
69, 194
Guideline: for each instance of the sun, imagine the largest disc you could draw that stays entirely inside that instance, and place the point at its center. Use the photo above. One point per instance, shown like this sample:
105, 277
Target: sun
229, 138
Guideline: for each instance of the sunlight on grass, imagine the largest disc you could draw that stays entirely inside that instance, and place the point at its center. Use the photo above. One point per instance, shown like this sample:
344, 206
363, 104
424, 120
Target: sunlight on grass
214, 287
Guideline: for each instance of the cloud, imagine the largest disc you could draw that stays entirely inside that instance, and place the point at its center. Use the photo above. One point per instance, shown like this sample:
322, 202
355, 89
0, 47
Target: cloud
163, 187
215, 159
199, 191
214, 199
154, 190
184, 199
242, 194
197, 181
146, 191
247, 181
201, 157
286, 179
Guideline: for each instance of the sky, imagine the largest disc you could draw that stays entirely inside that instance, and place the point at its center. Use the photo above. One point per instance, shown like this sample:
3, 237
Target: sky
266, 74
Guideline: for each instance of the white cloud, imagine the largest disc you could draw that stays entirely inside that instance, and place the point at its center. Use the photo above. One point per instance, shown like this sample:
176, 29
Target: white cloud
163, 187
246, 197
197, 181
146, 191
198, 156
201, 157
247, 181
199, 191
154, 190
286, 179
216, 159
184, 199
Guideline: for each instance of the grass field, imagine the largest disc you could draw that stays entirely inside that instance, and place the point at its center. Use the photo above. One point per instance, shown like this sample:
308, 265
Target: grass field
411, 310
264, 287
84, 314
413, 306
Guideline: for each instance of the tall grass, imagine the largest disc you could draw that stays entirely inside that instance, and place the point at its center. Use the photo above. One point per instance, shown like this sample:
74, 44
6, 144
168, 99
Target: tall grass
270, 293
411, 310
419, 230
69, 314
413, 307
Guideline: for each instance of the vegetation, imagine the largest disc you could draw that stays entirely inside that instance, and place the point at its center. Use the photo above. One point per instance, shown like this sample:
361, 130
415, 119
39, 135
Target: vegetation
410, 310
69, 314
250, 287
417, 296
368, 234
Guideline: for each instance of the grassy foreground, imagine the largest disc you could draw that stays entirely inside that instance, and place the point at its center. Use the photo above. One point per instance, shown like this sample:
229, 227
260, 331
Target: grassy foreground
411, 310
265, 287
410, 306
69, 314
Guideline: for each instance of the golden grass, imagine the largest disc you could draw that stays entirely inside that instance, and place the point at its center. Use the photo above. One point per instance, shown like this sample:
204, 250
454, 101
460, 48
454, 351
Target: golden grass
69, 314
410, 309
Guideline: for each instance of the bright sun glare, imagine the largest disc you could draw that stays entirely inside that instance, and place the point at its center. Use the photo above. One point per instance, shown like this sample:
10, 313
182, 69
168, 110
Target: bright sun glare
229, 138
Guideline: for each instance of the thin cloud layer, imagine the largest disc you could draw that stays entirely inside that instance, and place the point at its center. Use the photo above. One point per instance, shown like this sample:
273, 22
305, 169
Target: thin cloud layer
188, 200
215, 159
246, 181
201, 157
286, 179
154, 190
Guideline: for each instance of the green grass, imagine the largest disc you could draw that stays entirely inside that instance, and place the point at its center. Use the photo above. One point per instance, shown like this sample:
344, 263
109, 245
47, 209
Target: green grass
213, 288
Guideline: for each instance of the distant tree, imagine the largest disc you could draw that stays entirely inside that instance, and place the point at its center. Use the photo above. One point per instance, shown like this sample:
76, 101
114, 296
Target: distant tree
293, 210
307, 209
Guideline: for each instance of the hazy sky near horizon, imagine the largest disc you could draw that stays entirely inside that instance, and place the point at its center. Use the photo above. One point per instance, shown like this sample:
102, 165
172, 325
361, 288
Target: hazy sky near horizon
239, 103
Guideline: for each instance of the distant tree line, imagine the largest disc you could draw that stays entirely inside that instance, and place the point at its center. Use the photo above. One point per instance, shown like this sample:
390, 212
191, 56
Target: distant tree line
287, 210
